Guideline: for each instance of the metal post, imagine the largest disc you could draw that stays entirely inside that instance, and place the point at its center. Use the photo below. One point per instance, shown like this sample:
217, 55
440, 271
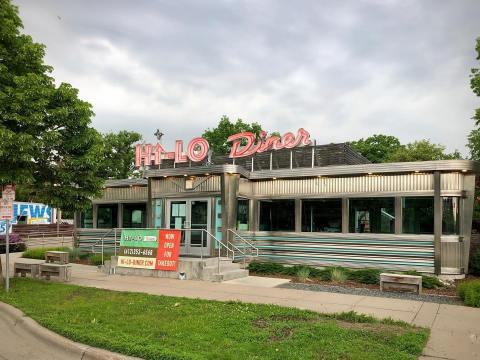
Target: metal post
291, 160
271, 160
201, 247
437, 223
252, 163
102, 247
115, 246
313, 155
7, 256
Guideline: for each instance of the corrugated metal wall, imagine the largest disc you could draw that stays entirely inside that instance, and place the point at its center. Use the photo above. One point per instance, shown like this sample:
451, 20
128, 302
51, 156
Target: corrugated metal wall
349, 185
124, 193
175, 185
355, 252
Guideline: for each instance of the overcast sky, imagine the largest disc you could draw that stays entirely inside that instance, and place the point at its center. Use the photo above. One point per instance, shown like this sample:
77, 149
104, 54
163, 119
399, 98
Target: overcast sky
340, 69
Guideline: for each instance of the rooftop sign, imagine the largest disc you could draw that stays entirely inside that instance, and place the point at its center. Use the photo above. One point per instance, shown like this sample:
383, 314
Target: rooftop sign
243, 144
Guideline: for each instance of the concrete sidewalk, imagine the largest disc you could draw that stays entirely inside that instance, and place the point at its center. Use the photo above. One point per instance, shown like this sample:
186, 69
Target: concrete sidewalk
455, 330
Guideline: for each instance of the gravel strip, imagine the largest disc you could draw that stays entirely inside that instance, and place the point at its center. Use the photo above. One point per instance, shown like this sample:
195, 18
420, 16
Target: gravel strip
440, 299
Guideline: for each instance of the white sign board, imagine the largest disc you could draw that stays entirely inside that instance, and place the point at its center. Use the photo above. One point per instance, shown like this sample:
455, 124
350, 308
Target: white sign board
8, 193
6, 209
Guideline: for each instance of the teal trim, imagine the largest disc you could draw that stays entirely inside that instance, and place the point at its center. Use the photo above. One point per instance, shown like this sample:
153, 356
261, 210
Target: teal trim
372, 261
420, 243
354, 251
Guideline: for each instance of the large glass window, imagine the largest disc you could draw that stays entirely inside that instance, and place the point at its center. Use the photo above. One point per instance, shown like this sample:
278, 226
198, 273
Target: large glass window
107, 216
277, 215
450, 215
242, 215
86, 218
417, 213
322, 215
372, 215
134, 215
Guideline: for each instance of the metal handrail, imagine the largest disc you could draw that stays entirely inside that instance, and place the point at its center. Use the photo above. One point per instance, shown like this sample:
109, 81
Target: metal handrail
102, 240
244, 240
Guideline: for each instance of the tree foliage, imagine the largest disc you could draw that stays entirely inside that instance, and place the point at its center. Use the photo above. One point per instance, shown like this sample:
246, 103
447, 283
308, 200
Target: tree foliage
422, 150
47, 143
119, 154
217, 137
474, 136
377, 148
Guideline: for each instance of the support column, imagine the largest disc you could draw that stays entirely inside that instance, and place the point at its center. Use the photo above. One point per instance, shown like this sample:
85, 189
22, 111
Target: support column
120, 215
94, 215
345, 218
253, 215
298, 215
437, 223
398, 215
229, 192
149, 204
466, 214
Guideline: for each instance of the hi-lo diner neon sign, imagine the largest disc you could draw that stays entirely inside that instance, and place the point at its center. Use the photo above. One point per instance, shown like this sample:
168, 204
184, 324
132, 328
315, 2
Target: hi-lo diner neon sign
243, 144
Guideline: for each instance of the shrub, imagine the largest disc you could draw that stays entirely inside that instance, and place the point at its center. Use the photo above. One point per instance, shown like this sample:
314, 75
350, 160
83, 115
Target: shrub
469, 291
428, 282
39, 253
339, 274
303, 273
475, 263
366, 276
74, 254
96, 259
268, 268
15, 244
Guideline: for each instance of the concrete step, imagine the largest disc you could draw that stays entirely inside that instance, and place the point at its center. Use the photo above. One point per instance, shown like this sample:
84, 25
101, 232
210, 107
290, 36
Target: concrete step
230, 275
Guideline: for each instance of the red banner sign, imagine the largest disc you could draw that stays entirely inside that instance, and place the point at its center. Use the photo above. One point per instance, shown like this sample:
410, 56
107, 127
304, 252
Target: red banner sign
168, 250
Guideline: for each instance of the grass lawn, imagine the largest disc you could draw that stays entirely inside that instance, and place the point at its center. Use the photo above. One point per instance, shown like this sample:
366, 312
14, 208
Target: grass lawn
161, 327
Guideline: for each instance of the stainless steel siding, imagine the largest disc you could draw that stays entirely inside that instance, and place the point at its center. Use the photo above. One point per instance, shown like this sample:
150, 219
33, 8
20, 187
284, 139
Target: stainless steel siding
124, 193
176, 185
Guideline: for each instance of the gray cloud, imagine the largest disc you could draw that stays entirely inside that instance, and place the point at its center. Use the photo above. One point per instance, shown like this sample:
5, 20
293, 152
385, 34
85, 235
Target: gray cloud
342, 70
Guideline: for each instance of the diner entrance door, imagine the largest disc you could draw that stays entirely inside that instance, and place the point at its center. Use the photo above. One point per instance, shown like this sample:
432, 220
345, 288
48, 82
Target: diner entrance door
193, 216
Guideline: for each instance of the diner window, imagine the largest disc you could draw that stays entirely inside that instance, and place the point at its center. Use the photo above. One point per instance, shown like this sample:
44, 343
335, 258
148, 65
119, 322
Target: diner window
417, 215
277, 215
372, 215
242, 215
107, 216
322, 215
450, 215
134, 215
86, 218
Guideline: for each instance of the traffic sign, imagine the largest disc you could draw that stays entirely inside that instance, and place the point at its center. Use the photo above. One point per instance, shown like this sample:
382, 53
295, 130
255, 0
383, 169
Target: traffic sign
6, 209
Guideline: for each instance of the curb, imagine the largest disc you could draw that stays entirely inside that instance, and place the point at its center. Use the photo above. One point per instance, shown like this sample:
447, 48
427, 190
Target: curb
84, 352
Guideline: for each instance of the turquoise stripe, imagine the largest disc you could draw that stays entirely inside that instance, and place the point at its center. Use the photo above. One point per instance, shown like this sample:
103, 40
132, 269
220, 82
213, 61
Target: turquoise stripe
354, 251
353, 241
372, 261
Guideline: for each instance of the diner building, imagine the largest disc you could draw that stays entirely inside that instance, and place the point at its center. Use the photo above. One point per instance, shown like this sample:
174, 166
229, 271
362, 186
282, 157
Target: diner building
322, 205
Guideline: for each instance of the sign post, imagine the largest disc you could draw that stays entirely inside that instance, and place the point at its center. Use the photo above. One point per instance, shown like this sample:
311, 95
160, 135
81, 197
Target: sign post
6, 213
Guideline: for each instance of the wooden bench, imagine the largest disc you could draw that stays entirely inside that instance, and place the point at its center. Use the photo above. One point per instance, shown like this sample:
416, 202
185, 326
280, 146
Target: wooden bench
400, 282
59, 257
63, 271
27, 266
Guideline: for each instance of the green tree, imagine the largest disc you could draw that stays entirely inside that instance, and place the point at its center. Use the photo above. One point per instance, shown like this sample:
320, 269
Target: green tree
119, 154
47, 145
377, 148
217, 137
422, 150
474, 136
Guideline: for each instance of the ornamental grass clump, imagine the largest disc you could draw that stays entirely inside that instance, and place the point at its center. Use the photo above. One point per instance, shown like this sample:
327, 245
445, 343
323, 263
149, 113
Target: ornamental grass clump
338, 274
303, 273
469, 291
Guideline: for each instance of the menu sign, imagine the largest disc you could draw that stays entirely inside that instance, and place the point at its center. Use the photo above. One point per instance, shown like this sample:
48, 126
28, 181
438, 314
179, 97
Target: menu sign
150, 249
